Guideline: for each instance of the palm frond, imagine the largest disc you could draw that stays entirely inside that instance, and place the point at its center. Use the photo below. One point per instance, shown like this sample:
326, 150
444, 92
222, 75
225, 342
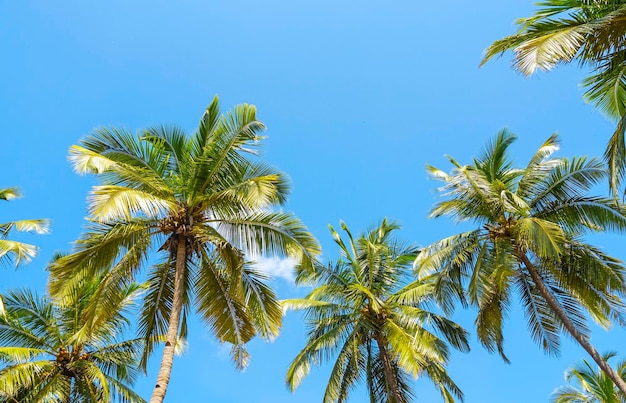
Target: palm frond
264, 307
112, 203
17, 252
545, 238
264, 233
222, 308
346, 371
10, 193
544, 327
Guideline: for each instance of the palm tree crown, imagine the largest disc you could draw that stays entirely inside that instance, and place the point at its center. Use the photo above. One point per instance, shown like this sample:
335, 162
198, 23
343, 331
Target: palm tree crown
48, 353
199, 204
592, 33
528, 243
593, 384
15, 251
365, 309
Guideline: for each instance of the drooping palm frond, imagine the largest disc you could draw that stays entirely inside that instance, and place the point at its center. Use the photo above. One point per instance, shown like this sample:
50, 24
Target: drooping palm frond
263, 305
270, 233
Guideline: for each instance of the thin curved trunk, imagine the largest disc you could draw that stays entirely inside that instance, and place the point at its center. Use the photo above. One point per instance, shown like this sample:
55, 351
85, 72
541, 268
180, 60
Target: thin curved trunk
392, 383
569, 325
163, 378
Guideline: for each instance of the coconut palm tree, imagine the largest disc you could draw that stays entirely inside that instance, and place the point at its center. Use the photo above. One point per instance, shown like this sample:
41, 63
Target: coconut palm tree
48, 355
593, 384
14, 251
591, 32
199, 209
528, 242
366, 309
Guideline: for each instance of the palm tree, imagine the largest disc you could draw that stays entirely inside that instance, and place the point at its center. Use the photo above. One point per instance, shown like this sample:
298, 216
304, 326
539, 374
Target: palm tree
365, 308
592, 32
47, 354
14, 251
197, 206
528, 242
594, 385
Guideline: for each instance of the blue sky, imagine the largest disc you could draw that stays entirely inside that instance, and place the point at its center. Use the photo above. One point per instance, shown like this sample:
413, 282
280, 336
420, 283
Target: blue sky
357, 96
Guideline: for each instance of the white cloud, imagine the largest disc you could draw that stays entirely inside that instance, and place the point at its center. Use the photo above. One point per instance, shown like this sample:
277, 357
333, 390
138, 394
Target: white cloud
276, 267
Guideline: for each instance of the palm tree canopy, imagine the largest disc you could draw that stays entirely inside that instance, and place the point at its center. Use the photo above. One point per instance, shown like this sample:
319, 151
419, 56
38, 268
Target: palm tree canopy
592, 33
366, 311
47, 354
161, 188
14, 251
534, 216
593, 385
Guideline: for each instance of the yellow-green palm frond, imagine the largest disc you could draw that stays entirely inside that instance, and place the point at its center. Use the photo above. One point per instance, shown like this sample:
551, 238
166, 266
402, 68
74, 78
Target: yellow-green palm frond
447, 262
263, 306
540, 165
130, 161
22, 381
153, 319
119, 203
544, 238
543, 325
494, 300
10, 193
18, 252
20, 354
248, 186
590, 384
218, 143
324, 341
14, 251
346, 370
548, 50
86, 161
38, 226
120, 248
223, 308
594, 279
270, 233
173, 141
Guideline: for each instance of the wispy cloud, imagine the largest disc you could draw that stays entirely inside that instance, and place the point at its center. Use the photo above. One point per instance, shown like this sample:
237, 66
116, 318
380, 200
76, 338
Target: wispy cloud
276, 267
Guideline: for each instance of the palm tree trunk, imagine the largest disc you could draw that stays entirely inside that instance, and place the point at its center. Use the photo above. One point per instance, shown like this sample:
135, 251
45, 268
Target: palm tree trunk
163, 378
569, 325
392, 383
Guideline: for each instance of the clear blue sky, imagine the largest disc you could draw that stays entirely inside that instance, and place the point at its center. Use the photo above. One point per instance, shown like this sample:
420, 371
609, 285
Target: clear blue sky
357, 96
